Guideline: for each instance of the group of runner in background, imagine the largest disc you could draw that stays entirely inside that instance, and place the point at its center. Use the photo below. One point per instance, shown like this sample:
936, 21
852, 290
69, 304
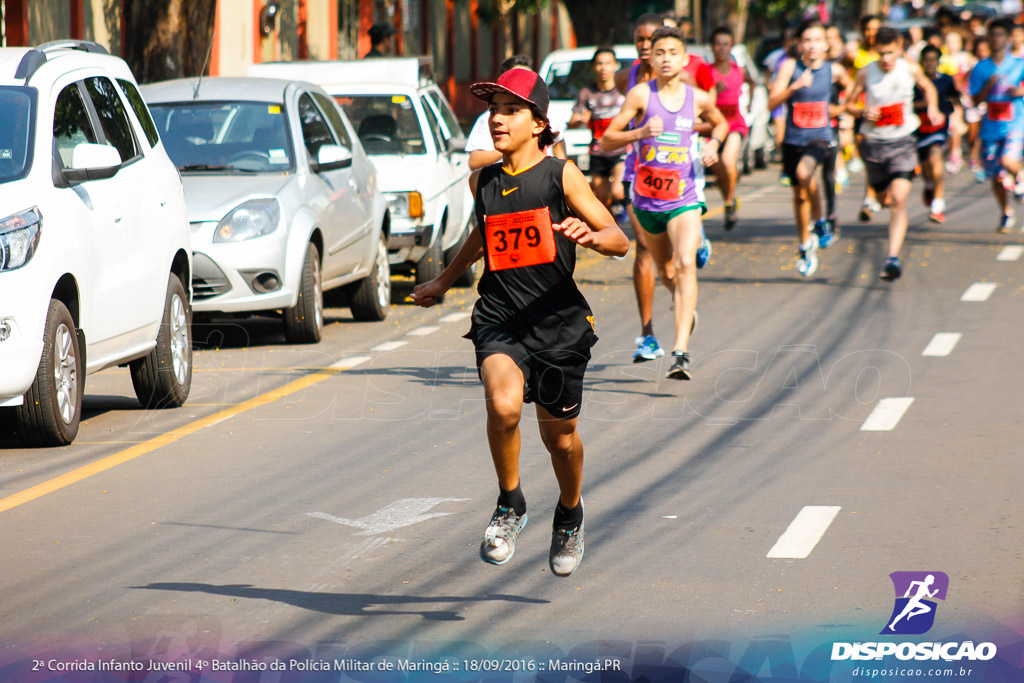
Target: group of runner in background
893, 105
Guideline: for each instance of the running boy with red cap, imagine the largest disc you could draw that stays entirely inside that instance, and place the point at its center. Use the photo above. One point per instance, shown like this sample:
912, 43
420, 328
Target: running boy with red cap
668, 192
532, 328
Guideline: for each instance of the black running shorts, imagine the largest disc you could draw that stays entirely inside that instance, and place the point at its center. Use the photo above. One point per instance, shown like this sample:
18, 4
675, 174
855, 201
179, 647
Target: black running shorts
554, 378
792, 155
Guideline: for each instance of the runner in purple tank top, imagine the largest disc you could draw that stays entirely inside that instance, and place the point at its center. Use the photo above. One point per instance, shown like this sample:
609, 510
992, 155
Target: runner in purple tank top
643, 266
669, 183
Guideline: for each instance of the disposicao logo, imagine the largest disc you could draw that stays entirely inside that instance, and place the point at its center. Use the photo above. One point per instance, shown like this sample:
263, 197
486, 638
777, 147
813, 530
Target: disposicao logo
916, 593
913, 614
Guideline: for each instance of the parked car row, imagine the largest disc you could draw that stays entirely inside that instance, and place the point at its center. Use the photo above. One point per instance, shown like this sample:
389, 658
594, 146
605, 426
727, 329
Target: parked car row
123, 209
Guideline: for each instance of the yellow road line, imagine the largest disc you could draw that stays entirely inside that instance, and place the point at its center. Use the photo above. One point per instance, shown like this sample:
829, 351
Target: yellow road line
111, 461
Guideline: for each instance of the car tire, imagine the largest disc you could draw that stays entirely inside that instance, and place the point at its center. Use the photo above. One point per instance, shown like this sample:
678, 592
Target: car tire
52, 409
304, 322
431, 265
163, 378
372, 298
467, 278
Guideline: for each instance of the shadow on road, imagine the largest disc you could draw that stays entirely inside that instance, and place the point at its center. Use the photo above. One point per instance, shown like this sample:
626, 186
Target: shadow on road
345, 604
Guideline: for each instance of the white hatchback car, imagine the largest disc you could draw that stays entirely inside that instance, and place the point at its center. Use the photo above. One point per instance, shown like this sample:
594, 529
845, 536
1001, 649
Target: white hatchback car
95, 256
283, 202
414, 140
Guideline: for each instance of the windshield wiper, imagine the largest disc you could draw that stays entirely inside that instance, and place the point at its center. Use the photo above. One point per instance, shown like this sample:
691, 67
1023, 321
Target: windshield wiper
214, 167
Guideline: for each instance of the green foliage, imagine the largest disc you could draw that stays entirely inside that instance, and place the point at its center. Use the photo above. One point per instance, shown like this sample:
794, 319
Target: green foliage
491, 11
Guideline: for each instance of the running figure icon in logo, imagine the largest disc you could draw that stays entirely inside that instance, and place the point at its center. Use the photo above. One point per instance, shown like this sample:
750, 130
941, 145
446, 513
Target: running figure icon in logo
915, 587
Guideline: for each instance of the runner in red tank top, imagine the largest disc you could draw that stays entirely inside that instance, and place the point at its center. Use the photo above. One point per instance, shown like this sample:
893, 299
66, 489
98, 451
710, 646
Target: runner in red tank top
729, 79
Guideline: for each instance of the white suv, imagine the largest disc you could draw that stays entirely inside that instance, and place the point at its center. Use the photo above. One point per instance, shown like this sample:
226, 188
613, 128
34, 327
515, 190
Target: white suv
409, 131
95, 255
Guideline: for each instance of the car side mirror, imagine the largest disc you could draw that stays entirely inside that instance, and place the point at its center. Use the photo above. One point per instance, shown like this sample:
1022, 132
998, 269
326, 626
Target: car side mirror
331, 157
90, 161
457, 146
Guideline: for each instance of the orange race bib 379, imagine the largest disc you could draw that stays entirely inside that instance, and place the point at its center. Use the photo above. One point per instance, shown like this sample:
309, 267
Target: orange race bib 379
810, 114
520, 239
890, 115
1000, 111
658, 183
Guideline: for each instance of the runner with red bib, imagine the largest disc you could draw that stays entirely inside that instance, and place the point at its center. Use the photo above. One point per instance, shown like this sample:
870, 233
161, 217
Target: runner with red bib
532, 329
595, 108
729, 78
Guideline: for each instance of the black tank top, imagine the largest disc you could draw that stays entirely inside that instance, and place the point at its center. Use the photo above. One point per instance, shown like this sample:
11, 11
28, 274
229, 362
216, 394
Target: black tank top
538, 304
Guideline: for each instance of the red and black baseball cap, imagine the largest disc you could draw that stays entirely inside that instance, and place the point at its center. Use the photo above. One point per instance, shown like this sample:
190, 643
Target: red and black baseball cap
525, 84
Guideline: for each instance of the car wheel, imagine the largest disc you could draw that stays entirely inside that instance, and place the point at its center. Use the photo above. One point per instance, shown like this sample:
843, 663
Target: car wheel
304, 322
372, 298
431, 265
163, 378
53, 404
469, 277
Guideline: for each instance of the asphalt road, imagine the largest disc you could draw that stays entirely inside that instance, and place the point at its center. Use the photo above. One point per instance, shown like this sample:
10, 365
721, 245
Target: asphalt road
330, 499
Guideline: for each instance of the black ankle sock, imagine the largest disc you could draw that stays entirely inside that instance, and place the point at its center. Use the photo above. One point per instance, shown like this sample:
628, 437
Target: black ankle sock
566, 518
513, 499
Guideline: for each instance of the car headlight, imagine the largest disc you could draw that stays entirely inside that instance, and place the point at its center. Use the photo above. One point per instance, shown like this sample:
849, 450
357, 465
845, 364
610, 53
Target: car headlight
19, 235
405, 204
255, 218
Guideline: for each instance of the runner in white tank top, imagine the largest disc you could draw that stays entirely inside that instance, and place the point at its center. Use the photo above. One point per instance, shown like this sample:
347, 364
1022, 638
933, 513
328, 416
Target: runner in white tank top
889, 146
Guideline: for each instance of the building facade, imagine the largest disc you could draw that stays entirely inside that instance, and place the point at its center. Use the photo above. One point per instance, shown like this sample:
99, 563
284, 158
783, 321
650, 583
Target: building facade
464, 47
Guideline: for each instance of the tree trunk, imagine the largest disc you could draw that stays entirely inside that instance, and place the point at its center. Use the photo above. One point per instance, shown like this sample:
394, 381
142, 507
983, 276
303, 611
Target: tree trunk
168, 38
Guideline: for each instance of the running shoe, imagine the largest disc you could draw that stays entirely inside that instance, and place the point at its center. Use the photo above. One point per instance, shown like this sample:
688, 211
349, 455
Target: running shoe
937, 216
499, 544
892, 269
855, 165
824, 232
954, 165
704, 253
979, 172
808, 262
842, 177
785, 180
680, 368
864, 215
730, 214
566, 549
1007, 223
647, 348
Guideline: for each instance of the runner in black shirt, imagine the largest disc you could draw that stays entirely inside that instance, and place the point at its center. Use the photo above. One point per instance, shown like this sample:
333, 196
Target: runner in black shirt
532, 328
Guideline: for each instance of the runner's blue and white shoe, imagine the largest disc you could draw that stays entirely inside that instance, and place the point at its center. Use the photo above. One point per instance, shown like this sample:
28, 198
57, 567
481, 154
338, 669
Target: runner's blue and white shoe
499, 544
704, 253
824, 232
808, 263
647, 348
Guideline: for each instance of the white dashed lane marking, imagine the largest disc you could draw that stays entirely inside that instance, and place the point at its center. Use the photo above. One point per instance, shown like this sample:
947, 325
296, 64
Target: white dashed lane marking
942, 344
979, 291
887, 414
1011, 253
804, 532
349, 362
456, 317
424, 331
389, 346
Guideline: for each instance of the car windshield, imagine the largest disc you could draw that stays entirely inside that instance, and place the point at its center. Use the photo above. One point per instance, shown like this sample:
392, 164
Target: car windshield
236, 137
386, 124
566, 79
17, 107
